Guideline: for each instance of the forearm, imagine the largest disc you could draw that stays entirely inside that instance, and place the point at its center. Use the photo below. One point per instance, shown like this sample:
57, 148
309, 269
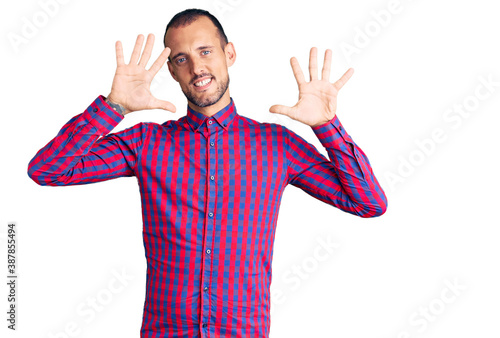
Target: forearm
52, 164
355, 176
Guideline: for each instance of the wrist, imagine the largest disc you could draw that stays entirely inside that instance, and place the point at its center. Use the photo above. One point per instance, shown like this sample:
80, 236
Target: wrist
321, 123
116, 106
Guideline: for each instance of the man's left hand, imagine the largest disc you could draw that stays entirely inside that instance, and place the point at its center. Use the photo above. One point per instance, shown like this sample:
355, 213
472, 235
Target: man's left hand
317, 98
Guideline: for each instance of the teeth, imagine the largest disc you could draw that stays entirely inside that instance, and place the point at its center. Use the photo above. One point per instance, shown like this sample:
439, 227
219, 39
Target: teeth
202, 83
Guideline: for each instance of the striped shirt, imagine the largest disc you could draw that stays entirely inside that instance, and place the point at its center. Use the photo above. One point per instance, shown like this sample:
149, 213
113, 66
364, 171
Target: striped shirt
210, 190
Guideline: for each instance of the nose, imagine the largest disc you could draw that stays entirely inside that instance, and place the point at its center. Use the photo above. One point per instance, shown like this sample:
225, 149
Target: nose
197, 66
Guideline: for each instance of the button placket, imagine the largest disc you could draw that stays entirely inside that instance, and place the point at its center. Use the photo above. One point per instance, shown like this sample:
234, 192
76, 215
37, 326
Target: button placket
210, 223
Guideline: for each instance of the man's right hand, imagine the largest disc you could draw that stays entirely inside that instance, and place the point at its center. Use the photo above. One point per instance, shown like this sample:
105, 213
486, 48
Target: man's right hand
130, 88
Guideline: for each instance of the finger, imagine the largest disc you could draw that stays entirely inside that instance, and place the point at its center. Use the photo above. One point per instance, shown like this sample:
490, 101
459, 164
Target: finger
342, 81
147, 50
161, 104
325, 75
280, 109
160, 61
137, 49
313, 64
297, 71
119, 53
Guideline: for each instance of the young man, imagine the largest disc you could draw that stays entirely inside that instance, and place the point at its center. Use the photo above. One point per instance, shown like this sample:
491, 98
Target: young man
211, 182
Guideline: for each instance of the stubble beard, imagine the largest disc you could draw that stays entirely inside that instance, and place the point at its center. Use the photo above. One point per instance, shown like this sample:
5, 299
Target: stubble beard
211, 100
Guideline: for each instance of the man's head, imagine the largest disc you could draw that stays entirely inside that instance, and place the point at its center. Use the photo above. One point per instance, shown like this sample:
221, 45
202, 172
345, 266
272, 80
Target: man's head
200, 57
187, 16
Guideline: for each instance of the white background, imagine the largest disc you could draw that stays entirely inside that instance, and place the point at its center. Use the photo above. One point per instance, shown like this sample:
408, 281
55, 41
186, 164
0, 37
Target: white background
413, 72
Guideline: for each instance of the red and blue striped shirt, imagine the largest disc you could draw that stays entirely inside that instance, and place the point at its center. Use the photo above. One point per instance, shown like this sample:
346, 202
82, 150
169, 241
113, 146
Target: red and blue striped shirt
210, 190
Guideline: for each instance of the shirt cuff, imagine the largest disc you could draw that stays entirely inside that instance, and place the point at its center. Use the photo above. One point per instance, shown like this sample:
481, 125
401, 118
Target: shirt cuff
102, 116
331, 133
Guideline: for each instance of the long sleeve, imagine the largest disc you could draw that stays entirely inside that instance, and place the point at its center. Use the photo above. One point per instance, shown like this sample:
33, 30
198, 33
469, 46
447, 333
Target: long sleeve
346, 181
79, 155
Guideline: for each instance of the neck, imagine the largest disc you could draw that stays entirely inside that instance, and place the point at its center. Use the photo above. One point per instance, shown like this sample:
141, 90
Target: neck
213, 109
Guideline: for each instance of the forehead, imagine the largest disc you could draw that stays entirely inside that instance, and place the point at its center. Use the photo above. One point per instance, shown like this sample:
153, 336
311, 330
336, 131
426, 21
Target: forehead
202, 31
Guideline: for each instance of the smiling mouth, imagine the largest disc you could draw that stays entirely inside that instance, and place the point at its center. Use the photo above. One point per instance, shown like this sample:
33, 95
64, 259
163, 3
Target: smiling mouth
203, 84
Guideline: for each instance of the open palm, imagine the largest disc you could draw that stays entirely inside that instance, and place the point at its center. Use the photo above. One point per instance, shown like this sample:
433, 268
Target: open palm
131, 84
317, 102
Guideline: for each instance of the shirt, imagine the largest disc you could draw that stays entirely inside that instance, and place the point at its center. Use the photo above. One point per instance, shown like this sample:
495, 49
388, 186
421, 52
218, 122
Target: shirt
210, 193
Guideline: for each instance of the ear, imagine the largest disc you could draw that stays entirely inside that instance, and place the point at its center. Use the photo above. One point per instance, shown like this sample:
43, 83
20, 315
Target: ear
230, 54
171, 70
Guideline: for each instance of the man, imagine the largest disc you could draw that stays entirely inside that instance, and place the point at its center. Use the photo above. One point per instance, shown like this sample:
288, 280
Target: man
210, 182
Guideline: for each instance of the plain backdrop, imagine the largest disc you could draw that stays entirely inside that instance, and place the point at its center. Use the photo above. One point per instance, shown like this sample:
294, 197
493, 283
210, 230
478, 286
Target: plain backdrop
423, 105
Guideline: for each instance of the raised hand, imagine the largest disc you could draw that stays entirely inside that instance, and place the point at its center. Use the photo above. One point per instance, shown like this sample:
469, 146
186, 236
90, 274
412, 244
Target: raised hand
130, 88
317, 98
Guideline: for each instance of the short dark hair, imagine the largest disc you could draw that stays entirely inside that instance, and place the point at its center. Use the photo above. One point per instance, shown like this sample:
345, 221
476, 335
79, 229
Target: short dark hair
187, 16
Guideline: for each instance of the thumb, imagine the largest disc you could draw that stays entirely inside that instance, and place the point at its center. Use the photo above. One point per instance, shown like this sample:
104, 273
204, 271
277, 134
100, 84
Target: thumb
280, 109
165, 105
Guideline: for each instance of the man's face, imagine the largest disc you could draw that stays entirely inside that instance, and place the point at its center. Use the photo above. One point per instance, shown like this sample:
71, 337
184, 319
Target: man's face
199, 63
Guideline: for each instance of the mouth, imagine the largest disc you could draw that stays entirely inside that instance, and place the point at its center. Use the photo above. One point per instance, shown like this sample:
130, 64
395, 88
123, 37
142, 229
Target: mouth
203, 84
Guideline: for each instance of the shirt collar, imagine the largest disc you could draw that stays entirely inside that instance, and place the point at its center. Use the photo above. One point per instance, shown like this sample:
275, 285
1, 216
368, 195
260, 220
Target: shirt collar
224, 117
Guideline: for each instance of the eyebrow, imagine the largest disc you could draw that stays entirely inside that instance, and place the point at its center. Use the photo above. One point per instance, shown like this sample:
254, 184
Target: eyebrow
181, 53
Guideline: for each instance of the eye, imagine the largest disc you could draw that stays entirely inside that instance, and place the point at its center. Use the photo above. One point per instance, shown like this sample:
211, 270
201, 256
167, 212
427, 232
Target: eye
205, 52
180, 60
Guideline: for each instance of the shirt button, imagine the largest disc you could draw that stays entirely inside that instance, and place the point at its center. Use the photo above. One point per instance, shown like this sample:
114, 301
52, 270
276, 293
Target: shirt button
212, 144
209, 251
210, 214
205, 288
210, 121
212, 177
95, 110
204, 325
